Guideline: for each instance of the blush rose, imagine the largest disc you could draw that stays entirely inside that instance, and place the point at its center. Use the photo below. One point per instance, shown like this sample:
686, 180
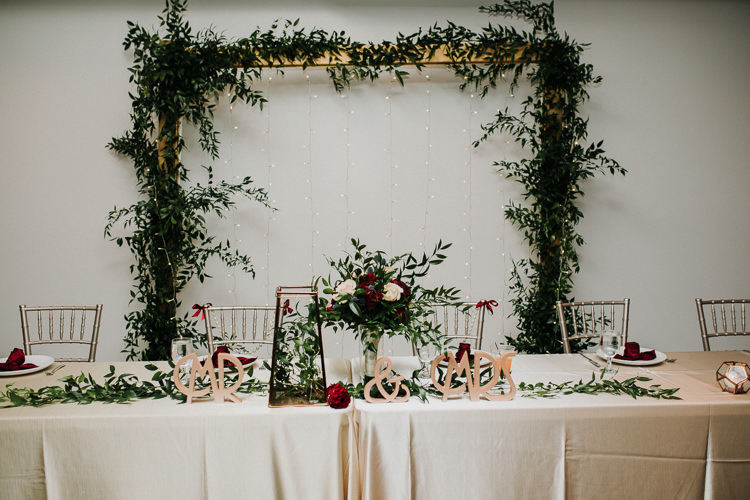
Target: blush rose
392, 292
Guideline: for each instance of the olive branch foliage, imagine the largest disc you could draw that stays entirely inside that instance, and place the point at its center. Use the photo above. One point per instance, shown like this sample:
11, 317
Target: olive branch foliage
121, 389
597, 384
179, 77
126, 388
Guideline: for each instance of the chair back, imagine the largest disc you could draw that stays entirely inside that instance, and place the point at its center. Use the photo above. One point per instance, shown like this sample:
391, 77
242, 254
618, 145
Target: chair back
728, 319
588, 319
461, 322
244, 329
59, 325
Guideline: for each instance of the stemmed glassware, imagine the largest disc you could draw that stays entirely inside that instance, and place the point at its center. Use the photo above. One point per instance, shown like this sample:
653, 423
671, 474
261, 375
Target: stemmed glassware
609, 341
181, 347
426, 353
499, 348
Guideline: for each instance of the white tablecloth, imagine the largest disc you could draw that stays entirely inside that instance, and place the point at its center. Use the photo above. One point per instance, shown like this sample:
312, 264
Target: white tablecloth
577, 446
158, 449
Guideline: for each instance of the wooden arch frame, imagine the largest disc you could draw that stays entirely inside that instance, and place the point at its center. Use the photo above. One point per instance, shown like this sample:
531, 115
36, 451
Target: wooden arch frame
434, 56
177, 75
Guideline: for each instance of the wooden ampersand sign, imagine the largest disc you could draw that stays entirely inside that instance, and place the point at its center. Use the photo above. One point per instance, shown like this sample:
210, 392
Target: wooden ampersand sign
382, 373
473, 375
221, 393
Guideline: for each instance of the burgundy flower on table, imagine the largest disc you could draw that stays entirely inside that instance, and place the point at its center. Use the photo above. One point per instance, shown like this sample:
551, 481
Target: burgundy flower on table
338, 396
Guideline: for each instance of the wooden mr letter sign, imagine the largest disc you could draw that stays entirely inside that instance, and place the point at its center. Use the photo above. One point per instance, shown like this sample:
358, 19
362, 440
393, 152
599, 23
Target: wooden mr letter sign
473, 375
207, 368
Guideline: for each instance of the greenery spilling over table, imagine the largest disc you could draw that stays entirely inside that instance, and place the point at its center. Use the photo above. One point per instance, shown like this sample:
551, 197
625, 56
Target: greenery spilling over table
125, 388
179, 76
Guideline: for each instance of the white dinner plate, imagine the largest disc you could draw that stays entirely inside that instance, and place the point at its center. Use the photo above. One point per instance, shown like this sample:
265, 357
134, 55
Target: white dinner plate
236, 355
39, 360
484, 362
660, 357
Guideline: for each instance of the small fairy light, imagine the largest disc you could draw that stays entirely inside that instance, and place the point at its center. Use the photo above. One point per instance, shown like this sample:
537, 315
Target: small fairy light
309, 164
229, 162
428, 169
270, 218
467, 182
391, 171
349, 165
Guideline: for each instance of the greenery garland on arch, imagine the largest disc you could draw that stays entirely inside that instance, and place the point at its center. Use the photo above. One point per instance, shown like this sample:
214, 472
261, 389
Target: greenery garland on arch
179, 77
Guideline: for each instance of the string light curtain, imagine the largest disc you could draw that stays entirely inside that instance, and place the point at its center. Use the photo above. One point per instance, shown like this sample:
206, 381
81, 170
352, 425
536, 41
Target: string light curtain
393, 166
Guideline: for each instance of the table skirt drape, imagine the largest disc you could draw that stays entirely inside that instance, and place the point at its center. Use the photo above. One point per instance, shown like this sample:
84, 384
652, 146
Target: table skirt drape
575, 446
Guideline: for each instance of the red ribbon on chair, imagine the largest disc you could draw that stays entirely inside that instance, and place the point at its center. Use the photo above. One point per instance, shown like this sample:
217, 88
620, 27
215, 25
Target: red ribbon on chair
201, 310
488, 304
285, 309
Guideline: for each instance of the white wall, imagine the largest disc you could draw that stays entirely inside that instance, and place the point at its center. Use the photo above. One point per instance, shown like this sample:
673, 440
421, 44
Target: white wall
672, 110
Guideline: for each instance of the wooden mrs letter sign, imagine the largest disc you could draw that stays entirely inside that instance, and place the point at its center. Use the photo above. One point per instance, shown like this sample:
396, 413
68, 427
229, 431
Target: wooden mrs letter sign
207, 368
473, 375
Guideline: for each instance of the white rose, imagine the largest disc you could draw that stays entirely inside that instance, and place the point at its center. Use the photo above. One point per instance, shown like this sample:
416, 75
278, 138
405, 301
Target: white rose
392, 292
345, 288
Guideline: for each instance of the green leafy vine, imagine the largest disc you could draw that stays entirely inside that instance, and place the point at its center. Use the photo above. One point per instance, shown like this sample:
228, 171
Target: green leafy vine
180, 76
126, 388
123, 388
545, 390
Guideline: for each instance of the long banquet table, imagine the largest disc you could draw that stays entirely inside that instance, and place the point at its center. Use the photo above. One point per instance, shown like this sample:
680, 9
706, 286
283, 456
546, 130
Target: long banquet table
159, 449
575, 446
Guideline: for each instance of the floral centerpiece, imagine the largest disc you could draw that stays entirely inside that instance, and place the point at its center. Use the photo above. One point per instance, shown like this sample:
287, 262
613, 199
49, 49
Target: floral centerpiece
374, 295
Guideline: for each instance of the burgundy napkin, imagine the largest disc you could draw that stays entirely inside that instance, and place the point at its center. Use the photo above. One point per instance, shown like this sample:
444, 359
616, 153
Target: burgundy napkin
464, 348
15, 362
225, 349
633, 352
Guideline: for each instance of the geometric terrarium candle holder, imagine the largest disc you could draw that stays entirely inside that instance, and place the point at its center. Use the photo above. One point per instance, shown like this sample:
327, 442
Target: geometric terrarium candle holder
733, 377
298, 375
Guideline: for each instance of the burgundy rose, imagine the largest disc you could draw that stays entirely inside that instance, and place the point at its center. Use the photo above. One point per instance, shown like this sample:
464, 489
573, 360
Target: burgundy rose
372, 297
366, 280
406, 290
338, 396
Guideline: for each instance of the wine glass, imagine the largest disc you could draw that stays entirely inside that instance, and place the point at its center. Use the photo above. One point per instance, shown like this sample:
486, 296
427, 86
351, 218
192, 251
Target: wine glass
609, 341
500, 348
181, 347
426, 354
